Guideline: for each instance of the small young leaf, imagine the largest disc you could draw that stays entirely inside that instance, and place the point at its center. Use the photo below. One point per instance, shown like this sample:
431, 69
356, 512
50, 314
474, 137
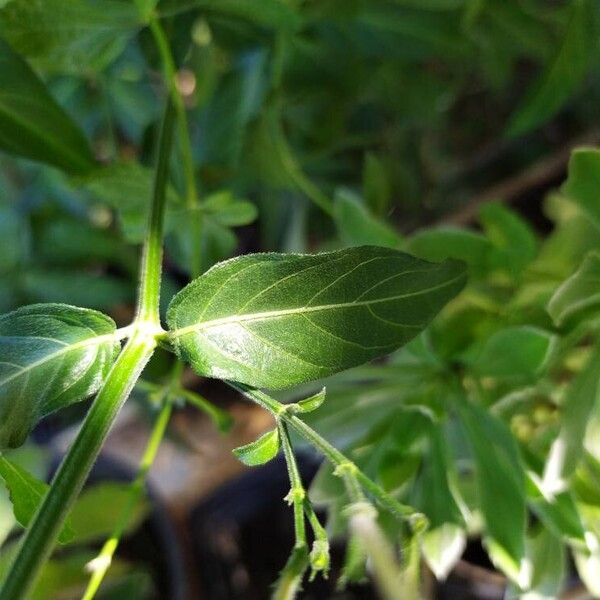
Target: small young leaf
578, 293
312, 402
273, 320
51, 355
32, 124
562, 76
583, 181
261, 451
228, 211
26, 494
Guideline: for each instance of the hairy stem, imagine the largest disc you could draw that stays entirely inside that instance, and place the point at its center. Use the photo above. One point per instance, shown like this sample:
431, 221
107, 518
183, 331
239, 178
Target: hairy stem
40, 538
151, 266
103, 561
333, 455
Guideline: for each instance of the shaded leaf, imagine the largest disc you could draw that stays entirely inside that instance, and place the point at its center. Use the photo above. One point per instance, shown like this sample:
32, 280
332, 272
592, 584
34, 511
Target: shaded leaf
69, 35
356, 225
578, 293
51, 355
261, 451
578, 403
377, 188
520, 351
562, 76
500, 485
32, 124
583, 182
275, 320
26, 494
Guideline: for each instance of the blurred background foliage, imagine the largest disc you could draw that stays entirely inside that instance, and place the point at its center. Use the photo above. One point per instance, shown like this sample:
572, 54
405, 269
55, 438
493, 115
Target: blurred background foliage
441, 127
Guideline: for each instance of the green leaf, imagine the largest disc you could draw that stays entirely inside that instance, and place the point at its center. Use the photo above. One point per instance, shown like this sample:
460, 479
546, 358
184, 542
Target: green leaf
514, 241
500, 485
520, 351
261, 451
51, 355
226, 210
451, 242
562, 76
274, 14
443, 543
311, 403
377, 188
579, 401
126, 187
71, 36
26, 494
583, 181
578, 293
356, 225
32, 124
90, 519
276, 320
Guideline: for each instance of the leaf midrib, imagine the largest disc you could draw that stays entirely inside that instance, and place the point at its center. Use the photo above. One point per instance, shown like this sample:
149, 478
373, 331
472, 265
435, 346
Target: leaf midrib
302, 310
100, 339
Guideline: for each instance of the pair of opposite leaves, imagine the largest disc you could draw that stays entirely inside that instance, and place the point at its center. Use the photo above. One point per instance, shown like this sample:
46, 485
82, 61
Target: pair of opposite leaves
266, 320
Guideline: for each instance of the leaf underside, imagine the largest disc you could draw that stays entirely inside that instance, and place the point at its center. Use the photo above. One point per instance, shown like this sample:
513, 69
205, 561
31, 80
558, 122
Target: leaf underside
274, 320
51, 355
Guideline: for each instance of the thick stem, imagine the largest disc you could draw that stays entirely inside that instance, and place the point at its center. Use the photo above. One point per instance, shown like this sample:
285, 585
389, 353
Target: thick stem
41, 536
151, 267
103, 561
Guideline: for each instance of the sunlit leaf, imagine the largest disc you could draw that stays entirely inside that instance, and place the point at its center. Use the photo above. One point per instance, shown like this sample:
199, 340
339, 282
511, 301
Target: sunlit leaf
272, 320
51, 355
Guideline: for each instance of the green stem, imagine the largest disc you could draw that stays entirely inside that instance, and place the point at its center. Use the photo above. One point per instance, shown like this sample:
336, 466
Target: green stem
191, 194
104, 558
40, 538
220, 418
333, 455
151, 266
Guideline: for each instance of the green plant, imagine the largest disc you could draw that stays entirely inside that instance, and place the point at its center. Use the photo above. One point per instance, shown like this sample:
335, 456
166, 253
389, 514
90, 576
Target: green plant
482, 425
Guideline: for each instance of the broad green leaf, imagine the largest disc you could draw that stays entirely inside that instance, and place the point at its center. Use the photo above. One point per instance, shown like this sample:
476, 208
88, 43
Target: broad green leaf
32, 124
451, 242
520, 351
583, 182
500, 485
72, 36
261, 451
311, 403
51, 355
578, 403
274, 14
276, 320
26, 494
514, 241
562, 76
578, 293
14, 236
357, 226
